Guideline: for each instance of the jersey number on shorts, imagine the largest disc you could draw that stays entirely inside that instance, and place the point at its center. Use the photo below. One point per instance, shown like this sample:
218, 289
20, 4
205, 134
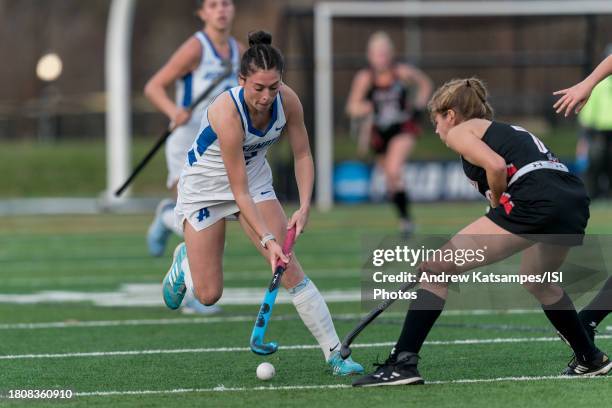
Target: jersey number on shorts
203, 214
541, 147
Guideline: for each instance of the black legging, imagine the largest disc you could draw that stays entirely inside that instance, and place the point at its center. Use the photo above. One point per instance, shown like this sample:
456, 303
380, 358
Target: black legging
599, 174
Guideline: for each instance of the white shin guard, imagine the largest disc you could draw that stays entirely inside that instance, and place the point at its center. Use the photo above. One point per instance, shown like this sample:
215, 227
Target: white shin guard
313, 310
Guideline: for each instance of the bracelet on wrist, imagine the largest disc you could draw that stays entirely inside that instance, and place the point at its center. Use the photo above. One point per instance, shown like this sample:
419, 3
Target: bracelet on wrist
267, 238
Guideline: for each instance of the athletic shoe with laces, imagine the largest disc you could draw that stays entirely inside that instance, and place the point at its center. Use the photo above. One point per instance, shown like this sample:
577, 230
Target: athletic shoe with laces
158, 233
599, 365
173, 285
396, 370
343, 367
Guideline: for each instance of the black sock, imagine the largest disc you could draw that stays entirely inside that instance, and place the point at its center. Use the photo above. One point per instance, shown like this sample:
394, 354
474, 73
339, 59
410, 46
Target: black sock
564, 318
423, 313
402, 203
599, 308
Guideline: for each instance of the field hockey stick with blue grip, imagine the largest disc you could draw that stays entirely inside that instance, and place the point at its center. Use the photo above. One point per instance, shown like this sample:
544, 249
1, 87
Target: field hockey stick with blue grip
265, 311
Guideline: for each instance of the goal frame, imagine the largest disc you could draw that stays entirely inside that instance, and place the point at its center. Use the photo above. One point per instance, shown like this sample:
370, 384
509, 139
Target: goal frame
325, 12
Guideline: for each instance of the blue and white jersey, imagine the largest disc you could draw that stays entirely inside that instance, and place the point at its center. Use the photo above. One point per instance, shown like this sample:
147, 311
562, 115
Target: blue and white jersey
205, 173
194, 83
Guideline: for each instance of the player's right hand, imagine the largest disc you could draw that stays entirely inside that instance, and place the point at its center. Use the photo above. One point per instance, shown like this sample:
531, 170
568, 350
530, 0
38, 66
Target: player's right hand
573, 98
275, 253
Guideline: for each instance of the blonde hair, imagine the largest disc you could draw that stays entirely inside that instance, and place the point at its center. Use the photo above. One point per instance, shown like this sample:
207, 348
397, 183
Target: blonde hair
380, 37
467, 97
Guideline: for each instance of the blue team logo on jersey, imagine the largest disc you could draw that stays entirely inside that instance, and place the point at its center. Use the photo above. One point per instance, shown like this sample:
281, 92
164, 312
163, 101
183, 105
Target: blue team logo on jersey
203, 214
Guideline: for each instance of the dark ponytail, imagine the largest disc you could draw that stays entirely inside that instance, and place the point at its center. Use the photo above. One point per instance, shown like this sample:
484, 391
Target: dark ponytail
261, 55
259, 37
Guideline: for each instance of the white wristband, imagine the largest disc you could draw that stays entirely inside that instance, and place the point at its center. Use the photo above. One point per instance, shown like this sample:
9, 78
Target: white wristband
266, 238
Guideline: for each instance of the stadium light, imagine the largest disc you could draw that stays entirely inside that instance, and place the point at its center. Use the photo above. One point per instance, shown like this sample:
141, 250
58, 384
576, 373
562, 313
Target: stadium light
49, 67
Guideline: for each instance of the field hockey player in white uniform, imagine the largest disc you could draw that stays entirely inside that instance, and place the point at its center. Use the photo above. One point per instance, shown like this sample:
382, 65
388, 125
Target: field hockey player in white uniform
193, 67
227, 173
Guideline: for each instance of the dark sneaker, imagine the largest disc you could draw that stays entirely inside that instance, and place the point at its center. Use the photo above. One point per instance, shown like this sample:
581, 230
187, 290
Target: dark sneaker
600, 365
394, 371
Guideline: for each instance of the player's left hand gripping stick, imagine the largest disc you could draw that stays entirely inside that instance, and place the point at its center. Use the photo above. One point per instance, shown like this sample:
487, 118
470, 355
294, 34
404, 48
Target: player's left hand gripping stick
265, 311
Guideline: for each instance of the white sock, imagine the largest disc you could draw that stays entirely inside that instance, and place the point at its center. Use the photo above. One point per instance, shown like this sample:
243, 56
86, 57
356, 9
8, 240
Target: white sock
313, 310
169, 220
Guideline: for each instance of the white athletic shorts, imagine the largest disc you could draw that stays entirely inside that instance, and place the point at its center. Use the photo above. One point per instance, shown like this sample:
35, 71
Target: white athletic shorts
203, 213
177, 146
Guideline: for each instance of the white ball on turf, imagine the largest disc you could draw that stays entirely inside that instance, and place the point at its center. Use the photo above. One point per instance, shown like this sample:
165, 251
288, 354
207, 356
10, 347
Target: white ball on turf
265, 371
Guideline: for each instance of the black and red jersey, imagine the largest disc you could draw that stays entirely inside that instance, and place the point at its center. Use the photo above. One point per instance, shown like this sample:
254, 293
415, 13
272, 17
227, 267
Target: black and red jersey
391, 105
516, 145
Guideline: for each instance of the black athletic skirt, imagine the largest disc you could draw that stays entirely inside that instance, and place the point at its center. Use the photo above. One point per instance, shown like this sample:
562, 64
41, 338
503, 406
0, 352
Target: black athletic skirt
379, 142
546, 205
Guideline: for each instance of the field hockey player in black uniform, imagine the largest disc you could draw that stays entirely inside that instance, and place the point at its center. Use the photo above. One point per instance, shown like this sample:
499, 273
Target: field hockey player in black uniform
537, 208
382, 94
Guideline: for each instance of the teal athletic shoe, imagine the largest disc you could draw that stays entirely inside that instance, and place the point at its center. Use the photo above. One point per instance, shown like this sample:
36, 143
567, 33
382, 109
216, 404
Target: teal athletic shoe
158, 233
173, 285
343, 367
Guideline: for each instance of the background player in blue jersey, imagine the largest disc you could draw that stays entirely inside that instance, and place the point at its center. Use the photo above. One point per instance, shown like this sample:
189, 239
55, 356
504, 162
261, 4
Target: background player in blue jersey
227, 173
382, 94
196, 63
537, 208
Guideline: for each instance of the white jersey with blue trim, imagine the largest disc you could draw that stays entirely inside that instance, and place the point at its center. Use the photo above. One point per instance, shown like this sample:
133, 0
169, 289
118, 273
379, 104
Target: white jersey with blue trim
197, 81
204, 173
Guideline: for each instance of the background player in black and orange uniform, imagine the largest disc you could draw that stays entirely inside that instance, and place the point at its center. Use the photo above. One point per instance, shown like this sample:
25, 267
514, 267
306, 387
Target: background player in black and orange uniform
537, 208
382, 93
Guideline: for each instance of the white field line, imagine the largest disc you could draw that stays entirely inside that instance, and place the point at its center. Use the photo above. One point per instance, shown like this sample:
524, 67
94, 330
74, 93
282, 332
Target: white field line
292, 347
263, 274
147, 294
221, 388
229, 319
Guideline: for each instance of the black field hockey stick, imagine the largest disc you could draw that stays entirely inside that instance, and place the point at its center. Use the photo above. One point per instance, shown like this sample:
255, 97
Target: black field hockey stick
227, 71
265, 311
345, 349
